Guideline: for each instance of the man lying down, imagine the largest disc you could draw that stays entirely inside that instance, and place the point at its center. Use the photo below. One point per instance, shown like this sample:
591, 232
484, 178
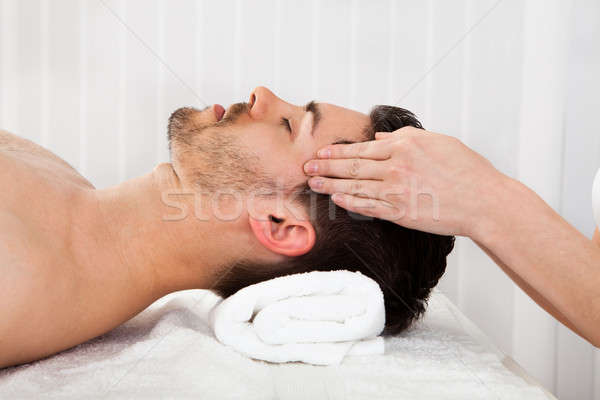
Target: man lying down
232, 209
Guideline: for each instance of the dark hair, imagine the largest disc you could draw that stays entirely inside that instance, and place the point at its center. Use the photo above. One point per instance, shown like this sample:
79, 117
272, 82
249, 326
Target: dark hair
406, 263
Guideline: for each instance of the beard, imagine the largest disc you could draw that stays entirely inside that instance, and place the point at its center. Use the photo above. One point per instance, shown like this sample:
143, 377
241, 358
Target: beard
209, 155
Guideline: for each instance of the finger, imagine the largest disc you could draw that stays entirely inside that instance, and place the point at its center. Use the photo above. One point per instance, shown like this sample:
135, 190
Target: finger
370, 149
405, 131
356, 187
356, 168
383, 135
369, 207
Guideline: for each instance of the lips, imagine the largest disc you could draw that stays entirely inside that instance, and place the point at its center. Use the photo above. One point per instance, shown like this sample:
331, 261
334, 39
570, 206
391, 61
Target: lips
219, 111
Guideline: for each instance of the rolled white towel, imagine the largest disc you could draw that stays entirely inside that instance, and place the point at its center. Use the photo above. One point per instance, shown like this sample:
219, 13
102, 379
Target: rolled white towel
316, 317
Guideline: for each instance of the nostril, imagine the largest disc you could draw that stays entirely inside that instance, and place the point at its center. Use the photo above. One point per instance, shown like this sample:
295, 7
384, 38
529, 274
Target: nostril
252, 99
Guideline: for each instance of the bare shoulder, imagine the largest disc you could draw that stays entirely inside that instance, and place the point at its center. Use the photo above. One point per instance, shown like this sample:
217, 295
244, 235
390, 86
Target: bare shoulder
14, 143
11, 144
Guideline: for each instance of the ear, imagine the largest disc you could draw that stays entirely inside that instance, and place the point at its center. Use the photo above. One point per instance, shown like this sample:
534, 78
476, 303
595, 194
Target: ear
284, 234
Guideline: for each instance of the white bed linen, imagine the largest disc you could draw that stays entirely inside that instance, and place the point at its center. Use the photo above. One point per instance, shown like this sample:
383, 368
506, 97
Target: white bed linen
168, 351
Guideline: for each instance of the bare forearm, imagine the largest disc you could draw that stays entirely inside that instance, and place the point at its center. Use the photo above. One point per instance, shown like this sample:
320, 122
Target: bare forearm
550, 256
531, 292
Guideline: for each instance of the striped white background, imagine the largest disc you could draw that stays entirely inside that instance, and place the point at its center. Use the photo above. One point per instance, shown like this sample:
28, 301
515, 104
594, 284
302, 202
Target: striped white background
95, 81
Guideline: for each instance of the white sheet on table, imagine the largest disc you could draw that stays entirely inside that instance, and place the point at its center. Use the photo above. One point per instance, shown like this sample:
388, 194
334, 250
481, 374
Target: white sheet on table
169, 351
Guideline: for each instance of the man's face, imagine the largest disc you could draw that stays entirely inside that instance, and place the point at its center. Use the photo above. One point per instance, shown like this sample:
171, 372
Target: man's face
266, 139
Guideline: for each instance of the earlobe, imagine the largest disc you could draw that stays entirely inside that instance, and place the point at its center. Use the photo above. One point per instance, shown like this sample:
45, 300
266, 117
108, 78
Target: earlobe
289, 237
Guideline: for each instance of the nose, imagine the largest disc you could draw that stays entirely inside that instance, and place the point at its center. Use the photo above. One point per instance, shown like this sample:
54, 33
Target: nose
261, 101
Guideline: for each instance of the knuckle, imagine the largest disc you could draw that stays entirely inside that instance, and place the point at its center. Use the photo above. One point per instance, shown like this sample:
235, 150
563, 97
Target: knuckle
410, 141
397, 147
396, 172
354, 167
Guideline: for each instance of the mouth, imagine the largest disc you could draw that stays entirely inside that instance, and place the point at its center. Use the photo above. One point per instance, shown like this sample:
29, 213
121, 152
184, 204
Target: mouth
219, 111
230, 114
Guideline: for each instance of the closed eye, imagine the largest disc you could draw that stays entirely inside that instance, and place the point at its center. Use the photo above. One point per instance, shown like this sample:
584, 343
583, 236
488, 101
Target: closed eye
286, 123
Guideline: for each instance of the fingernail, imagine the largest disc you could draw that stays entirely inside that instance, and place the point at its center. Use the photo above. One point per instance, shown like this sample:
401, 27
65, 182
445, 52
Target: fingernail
325, 153
315, 183
336, 197
310, 167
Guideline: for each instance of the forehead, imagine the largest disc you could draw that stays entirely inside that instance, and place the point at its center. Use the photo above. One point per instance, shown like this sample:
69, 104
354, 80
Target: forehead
339, 123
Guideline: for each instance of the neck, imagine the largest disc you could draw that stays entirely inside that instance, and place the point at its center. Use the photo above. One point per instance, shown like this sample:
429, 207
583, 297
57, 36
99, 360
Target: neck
164, 251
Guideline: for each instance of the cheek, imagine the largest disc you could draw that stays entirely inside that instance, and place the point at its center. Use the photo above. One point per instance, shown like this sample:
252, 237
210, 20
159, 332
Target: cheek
286, 169
284, 164
279, 157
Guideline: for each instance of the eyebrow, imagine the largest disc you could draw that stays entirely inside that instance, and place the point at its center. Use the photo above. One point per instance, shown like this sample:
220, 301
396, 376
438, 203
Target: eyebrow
367, 134
314, 108
343, 141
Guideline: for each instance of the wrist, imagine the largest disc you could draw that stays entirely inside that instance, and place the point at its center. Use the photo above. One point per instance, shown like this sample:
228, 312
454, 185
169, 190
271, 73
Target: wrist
500, 201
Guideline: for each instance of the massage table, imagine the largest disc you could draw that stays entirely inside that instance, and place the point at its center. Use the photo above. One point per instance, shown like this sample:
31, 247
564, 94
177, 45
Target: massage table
169, 351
